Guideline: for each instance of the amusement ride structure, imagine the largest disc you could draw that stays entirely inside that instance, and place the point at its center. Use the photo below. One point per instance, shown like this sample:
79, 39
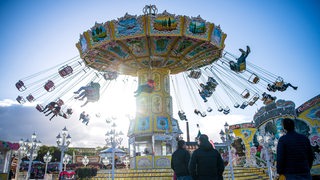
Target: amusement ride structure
161, 50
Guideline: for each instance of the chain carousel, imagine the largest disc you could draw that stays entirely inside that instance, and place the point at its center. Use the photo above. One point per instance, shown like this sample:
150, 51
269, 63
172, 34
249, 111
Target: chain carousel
152, 47
158, 49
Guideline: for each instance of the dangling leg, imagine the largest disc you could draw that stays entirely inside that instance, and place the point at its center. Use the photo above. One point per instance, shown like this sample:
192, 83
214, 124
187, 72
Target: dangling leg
53, 116
81, 88
293, 87
45, 109
203, 96
233, 66
248, 50
49, 113
85, 103
81, 96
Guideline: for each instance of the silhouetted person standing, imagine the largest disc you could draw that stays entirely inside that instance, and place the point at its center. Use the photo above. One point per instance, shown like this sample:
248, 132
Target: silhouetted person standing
294, 154
206, 162
180, 161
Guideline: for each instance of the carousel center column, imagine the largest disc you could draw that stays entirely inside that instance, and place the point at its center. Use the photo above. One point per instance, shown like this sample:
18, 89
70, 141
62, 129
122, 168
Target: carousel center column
151, 130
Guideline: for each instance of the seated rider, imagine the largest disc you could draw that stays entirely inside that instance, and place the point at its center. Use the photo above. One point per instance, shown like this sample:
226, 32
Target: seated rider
267, 98
182, 115
110, 75
204, 92
85, 91
85, 117
211, 84
197, 112
240, 65
55, 111
66, 114
148, 88
50, 106
280, 86
69, 111
195, 74
91, 92
82, 115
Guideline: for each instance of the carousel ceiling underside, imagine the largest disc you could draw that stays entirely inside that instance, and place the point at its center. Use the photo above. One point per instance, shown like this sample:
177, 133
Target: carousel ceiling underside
132, 43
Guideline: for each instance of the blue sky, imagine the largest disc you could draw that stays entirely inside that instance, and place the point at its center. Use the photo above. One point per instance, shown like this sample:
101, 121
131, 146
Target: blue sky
35, 35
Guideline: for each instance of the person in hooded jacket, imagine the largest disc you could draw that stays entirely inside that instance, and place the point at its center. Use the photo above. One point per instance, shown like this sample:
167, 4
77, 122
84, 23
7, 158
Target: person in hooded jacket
206, 162
180, 160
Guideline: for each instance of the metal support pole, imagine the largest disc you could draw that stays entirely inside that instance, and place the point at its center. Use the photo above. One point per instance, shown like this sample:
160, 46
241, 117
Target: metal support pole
45, 169
230, 162
268, 163
30, 163
18, 165
188, 134
113, 148
61, 159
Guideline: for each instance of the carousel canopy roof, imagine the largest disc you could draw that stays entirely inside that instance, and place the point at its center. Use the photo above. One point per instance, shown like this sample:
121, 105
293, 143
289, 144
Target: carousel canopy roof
109, 150
153, 40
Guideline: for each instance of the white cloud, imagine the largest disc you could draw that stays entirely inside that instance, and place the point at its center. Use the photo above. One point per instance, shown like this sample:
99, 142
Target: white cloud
7, 102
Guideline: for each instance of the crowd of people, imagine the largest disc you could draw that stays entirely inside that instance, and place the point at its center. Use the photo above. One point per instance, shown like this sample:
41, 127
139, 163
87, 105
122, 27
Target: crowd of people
294, 158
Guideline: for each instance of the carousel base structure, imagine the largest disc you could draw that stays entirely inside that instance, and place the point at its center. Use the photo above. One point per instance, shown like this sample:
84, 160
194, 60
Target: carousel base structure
167, 174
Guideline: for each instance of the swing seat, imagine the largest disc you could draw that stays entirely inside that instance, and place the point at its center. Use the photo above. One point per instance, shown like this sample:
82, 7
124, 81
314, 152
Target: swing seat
65, 71
244, 105
20, 100
203, 114
209, 109
241, 66
20, 86
211, 85
92, 92
226, 110
30, 98
279, 83
196, 111
49, 86
253, 99
182, 115
220, 109
66, 116
39, 107
195, 74
69, 111
245, 94
236, 105
267, 98
93, 98
268, 101
271, 87
110, 75
254, 79
237, 67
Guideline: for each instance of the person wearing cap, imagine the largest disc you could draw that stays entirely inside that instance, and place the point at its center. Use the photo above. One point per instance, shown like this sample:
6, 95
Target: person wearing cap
206, 162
